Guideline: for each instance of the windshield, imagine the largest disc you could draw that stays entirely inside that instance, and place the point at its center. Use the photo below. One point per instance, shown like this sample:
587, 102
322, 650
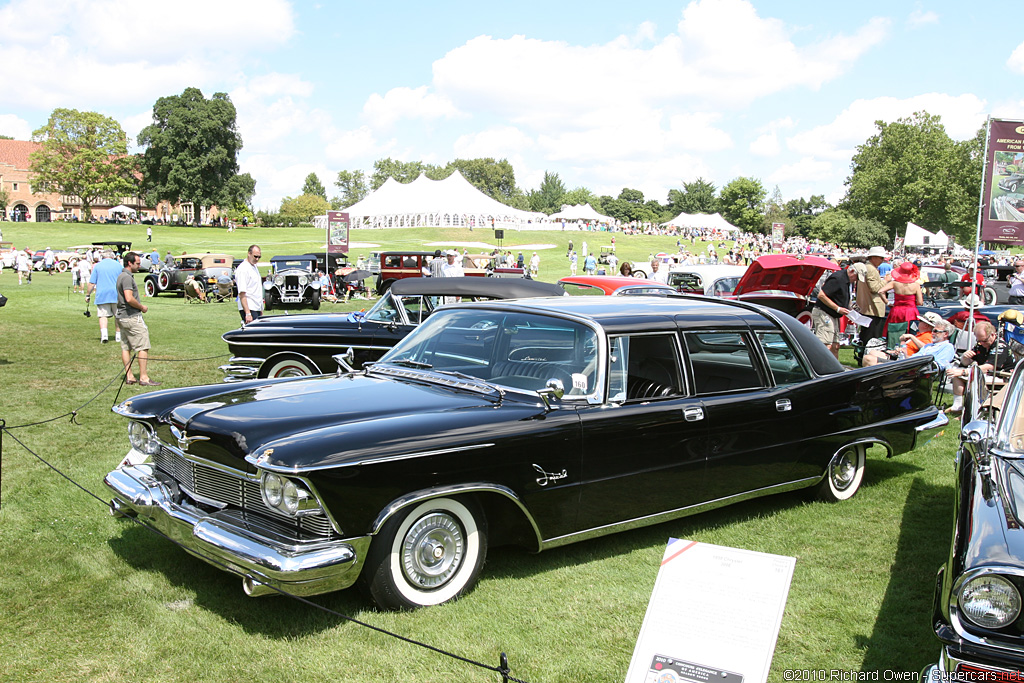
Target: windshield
292, 265
512, 349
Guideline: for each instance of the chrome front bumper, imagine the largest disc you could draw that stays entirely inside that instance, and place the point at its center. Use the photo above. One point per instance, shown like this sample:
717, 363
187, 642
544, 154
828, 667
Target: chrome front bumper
226, 539
240, 368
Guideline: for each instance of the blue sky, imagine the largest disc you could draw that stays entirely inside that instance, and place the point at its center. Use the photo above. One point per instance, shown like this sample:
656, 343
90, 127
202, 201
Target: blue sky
608, 95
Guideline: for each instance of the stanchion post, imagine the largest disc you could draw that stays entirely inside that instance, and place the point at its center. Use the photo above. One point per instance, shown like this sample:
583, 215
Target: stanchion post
3, 424
503, 668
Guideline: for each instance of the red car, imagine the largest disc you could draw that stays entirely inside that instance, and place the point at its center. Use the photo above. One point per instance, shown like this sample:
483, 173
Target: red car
784, 282
607, 285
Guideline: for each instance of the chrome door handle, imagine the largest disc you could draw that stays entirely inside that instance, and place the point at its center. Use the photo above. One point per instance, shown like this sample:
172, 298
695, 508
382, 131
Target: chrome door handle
693, 414
783, 405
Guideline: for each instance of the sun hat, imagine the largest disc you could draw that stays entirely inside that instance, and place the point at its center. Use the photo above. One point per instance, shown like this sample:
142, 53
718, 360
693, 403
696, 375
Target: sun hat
971, 301
876, 251
931, 317
906, 273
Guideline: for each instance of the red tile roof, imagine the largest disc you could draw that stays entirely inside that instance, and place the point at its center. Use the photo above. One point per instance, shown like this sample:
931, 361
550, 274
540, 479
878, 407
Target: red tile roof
15, 152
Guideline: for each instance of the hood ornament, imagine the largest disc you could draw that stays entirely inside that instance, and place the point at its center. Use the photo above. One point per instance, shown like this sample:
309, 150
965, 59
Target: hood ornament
184, 440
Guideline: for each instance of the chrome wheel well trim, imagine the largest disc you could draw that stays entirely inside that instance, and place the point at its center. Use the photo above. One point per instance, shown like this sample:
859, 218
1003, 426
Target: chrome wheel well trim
867, 441
454, 490
293, 354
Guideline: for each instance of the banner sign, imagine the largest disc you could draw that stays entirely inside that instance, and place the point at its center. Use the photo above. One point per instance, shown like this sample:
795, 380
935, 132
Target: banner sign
337, 232
713, 617
1003, 185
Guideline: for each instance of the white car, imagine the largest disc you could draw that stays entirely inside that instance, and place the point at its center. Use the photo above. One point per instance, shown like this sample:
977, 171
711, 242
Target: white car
717, 280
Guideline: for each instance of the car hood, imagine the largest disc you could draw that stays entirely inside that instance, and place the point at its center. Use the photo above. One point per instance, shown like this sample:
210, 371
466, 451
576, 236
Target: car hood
781, 272
276, 327
330, 421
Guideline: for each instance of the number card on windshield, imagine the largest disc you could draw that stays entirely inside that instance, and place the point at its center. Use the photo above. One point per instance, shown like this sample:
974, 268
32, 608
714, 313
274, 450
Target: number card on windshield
714, 615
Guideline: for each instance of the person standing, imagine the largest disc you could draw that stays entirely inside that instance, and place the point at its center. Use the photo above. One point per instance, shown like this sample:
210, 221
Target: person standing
149, 233
84, 269
103, 281
657, 274
833, 303
907, 297
437, 264
870, 297
154, 260
250, 286
589, 264
451, 268
21, 262
573, 259
132, 328
534, 264
1016, 281
48, 261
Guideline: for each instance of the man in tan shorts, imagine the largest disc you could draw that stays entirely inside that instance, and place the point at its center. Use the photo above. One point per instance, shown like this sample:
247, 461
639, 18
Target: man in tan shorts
134, 333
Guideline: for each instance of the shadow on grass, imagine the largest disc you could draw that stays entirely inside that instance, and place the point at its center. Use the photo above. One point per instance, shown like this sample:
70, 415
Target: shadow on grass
902, 639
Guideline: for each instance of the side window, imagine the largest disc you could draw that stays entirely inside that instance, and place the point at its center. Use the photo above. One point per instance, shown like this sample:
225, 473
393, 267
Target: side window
721, 361
644, 367
392, 261
782, 360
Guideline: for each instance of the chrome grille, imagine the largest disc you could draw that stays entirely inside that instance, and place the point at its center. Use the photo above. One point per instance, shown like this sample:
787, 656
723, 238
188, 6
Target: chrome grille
222, 487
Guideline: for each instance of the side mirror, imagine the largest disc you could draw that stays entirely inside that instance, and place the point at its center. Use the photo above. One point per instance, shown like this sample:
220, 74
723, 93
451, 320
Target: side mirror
553, 389
345, 361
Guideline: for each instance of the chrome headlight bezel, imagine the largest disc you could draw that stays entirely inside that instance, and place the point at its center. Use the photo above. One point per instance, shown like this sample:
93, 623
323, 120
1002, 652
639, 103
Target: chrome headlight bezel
288, 495
303, 280
279, 280
142, 437
989, 601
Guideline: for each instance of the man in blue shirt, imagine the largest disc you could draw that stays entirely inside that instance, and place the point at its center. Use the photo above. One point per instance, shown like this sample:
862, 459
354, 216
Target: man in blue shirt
940, 349
103, 281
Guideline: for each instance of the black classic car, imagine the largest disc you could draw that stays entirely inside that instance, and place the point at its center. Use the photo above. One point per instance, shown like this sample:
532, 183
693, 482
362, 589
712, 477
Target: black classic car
293, 346
292, 280
1011, 182
977, 614
210, 271
537, 422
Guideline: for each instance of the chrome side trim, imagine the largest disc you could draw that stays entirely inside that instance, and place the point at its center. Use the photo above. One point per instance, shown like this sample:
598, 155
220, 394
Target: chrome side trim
255, 459
660, 517
924, 433
457, 489
125, 410
298, 345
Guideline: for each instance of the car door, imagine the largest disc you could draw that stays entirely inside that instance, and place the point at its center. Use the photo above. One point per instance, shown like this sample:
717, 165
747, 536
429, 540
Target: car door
752, 422
644, 449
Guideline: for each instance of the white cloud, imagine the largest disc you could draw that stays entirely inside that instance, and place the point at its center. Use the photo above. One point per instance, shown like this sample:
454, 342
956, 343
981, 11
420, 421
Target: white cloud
350, 145
961, 115
15, 127
807, 169
766, 145
407, 103
500, 142
1016, 60
919, 17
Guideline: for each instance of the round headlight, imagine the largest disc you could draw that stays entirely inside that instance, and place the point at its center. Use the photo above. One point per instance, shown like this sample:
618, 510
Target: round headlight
272, 488
303, 280
990, 601
142, 438
290, 501
279, 280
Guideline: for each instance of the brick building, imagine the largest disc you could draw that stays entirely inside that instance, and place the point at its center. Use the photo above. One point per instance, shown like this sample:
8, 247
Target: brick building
42, 207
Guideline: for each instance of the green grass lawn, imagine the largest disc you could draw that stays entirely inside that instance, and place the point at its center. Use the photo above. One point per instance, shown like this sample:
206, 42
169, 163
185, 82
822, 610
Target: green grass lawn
85, 597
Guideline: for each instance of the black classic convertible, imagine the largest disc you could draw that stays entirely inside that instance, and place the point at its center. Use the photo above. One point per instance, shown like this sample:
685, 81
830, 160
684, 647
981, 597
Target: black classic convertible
538, 422
297, 345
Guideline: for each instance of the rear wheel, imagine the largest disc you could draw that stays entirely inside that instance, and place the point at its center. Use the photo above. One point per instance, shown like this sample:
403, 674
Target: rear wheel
642, 274
431, 554
844, 474
804, 318
62, 266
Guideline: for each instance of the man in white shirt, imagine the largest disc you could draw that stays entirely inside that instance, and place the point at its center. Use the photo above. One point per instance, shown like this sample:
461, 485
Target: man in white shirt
452, 269
250, 286
657, 273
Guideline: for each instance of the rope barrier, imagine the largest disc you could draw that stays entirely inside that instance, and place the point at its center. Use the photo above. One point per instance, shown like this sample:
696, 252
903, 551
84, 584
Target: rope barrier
502, 669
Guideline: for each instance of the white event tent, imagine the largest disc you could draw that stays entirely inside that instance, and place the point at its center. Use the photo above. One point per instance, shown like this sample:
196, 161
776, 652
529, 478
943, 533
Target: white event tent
580, 212
452, 202
712, 221
916, 236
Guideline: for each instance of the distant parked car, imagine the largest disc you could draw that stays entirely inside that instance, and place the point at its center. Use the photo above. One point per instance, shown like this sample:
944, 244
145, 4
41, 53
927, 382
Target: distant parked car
1012, 182
612, 285
709, 280
295, 345
292, 280
207, 269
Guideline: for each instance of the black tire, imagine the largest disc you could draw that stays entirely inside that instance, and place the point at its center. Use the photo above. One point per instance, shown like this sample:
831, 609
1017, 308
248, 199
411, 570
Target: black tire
844, 474
268, 301
383, 287
287, 365
315, 300
426, 555
163, 280
150, 287
991, 298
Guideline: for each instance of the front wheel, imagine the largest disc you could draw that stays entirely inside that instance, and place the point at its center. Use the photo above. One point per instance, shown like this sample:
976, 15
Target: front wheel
315, 300
62, 266
991, 299
150, 287
844, 474
431, 554
163, 280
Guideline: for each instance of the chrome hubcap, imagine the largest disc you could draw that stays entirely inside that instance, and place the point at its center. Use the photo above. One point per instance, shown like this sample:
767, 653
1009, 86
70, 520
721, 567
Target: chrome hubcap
842, 471
432, 550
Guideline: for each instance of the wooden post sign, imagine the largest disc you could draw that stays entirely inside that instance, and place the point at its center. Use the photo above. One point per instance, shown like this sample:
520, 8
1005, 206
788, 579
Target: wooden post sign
714, 615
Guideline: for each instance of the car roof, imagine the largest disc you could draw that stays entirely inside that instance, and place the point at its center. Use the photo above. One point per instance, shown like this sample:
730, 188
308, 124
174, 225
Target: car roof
409, 253
496, 288
613, 283
717, 270
303, 257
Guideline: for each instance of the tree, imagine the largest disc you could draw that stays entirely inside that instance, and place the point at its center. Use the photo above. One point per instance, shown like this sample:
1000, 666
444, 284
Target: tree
238, 194
353, 188
314, 187
496, 179
5, 199
800, 214
84, 155
629, 206
696, 197
911, 170
402, 171
582, 195
549, 196
742, 204
303, 208
191, 148
839, 227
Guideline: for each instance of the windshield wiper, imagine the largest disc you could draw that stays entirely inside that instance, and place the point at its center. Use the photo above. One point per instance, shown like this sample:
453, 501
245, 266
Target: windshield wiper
462, 375
413, 364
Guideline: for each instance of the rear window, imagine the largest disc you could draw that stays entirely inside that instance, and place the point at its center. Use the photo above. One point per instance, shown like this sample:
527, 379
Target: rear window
722, 362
